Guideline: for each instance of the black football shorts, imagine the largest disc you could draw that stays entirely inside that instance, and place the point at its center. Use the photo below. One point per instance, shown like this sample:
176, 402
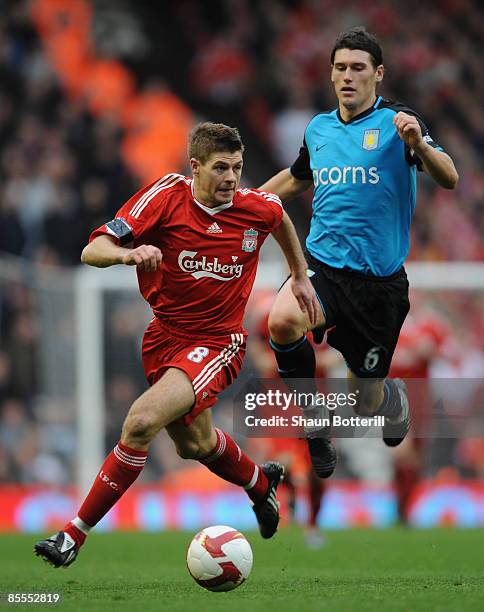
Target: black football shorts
364, 315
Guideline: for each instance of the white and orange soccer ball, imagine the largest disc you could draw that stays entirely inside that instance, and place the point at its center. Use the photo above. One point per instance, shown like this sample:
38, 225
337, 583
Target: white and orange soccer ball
219, 558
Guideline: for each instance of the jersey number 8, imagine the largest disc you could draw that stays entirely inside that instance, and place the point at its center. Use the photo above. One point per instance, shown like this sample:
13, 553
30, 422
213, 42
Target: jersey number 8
198, 353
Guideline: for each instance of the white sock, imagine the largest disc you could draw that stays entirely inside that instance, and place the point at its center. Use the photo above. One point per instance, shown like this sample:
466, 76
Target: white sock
81, 525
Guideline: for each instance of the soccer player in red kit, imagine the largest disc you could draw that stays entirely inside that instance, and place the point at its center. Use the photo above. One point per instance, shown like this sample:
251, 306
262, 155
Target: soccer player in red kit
421, 340
195, 243
291, 452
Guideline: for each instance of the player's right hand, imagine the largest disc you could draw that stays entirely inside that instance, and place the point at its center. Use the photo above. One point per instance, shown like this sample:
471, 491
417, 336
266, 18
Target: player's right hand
145, 257
306, 297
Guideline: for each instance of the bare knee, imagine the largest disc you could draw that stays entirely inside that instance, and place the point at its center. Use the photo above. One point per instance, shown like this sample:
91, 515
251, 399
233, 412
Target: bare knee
285, 327
139, 428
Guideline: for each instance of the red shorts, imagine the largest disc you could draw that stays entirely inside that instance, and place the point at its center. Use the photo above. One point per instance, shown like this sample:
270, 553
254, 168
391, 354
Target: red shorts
212, 363
295, 448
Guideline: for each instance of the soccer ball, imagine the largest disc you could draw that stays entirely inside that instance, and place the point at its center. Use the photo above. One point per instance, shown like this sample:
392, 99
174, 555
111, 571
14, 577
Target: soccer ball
219, 558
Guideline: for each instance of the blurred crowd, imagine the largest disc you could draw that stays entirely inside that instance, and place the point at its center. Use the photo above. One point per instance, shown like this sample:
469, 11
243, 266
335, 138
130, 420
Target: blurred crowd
266, 65
261, 65
61, 170
270, 62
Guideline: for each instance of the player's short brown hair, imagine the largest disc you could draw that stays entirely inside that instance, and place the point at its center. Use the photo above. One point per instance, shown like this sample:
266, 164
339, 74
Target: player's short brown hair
207, 138
359, 38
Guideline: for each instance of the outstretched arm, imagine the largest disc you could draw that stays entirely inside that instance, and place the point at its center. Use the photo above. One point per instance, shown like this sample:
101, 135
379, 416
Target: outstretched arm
436, 164
301, 286
285, 185
103, 252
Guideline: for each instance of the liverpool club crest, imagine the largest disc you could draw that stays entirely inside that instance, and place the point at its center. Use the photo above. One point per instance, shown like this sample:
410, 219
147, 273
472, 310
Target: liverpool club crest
249, 242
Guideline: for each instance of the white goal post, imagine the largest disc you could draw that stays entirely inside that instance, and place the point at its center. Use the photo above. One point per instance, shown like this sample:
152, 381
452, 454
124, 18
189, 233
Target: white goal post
90, 287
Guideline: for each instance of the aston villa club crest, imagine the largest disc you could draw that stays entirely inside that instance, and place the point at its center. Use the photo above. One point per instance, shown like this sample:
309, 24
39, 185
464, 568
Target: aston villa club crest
371, 139
249, 242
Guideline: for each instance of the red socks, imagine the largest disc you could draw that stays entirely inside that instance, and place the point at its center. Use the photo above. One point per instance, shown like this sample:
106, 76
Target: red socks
406, 479
76, 534
118, 472
123, 465
229, 461
316, 489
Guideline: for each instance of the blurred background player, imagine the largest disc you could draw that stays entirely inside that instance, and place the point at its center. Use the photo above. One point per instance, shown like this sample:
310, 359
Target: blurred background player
422, 340
299, 476
194, 345
361, 160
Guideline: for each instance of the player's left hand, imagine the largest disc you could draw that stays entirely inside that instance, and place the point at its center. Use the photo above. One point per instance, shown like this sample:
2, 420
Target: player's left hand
409, 130
303, 291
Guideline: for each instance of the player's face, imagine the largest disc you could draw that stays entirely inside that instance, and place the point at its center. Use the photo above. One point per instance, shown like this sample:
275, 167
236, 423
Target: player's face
355, 78
217, 180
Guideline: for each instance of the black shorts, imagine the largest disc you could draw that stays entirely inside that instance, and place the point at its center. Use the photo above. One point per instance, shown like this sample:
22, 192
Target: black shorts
364, 315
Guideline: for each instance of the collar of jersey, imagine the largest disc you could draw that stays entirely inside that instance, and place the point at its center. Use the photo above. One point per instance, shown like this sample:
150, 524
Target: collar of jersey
210, 211
365, 113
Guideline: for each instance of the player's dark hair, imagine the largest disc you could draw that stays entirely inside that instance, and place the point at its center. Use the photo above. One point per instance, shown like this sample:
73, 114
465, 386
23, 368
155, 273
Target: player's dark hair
207, 138
359, 38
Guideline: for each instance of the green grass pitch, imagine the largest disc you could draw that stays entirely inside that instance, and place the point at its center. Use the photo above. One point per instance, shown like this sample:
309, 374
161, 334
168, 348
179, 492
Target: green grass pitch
395, 570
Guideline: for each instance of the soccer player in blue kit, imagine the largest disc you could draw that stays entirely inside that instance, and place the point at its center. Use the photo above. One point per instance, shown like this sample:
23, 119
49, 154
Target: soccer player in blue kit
361, 159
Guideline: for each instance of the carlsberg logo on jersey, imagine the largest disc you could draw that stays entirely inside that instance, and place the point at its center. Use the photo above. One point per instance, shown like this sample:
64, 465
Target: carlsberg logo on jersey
205, 268
348, 174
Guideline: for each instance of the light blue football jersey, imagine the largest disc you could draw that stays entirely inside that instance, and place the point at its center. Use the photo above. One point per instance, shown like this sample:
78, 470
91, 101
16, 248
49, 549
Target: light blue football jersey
364, 188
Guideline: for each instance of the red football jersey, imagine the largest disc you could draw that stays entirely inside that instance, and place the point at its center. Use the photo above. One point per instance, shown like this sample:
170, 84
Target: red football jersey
419, 343
210, 255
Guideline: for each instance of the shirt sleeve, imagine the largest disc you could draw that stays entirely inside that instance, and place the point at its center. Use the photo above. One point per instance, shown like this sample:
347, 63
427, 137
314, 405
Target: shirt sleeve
273, 209
301, 168
136, 217
412, 158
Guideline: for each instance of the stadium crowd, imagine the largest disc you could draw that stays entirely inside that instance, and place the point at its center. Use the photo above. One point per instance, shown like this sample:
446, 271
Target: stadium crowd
260, 65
